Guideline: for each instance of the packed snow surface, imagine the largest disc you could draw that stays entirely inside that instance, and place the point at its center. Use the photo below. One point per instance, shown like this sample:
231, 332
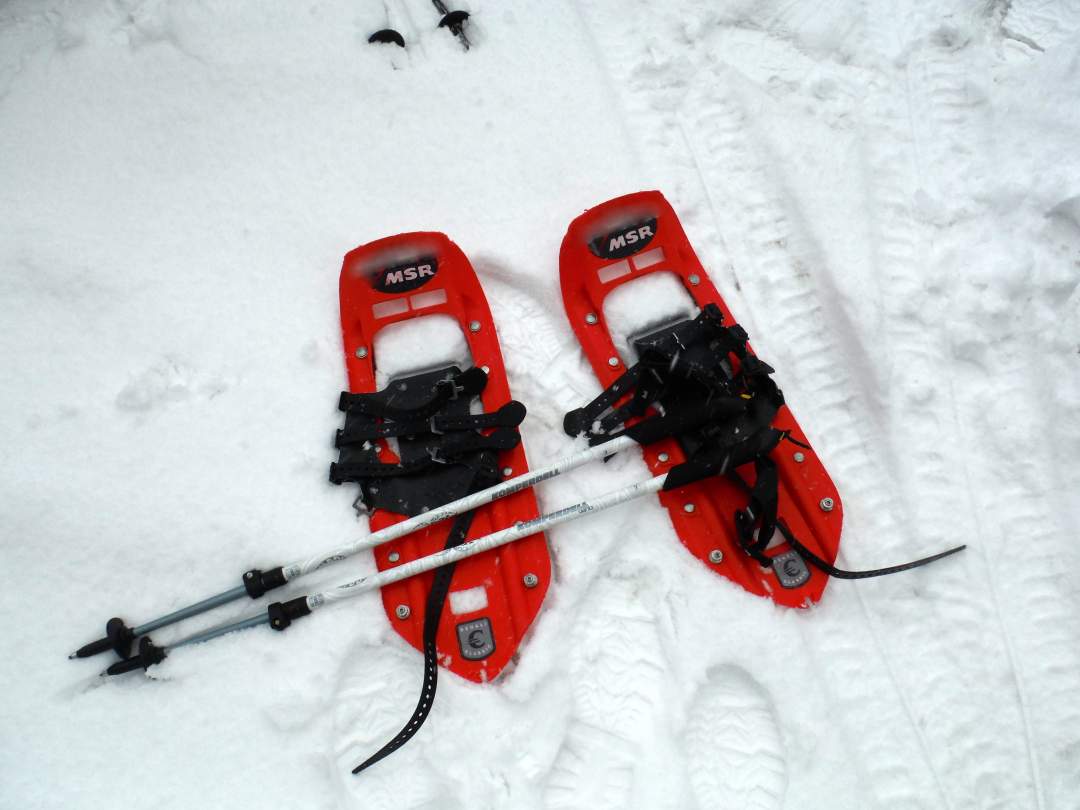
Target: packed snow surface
888, 197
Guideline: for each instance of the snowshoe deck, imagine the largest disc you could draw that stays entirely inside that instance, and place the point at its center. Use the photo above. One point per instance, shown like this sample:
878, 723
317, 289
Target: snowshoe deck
637, 235
494, 596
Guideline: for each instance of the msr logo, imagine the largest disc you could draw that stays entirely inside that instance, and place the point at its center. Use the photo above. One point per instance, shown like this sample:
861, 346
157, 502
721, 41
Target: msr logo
625, 241
405, 277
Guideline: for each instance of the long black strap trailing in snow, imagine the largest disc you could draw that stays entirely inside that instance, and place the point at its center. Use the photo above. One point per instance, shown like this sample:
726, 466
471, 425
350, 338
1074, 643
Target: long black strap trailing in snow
443, 457
721, 412
433, 611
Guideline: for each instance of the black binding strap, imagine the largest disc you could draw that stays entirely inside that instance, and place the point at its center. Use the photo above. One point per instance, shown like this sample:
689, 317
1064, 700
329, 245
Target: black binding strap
508, 416
381, 403
455, 445
434, 434
433, 609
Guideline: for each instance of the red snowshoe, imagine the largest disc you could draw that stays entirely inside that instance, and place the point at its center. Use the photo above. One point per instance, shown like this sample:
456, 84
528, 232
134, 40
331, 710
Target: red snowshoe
760, 509
420, 442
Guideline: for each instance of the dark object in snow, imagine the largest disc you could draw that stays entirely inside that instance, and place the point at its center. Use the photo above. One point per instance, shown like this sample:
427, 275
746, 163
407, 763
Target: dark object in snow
387, 36
454, 20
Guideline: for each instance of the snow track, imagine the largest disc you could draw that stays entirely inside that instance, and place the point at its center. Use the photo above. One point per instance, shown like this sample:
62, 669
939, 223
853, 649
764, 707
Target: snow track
732, 740
886, 196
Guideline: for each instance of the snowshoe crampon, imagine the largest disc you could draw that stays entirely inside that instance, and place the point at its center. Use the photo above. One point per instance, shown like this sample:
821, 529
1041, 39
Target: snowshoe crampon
631, 283
423, 357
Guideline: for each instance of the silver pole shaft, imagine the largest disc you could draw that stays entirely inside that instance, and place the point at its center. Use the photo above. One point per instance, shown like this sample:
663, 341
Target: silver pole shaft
301, 568
220, 630
191, 610
518, 531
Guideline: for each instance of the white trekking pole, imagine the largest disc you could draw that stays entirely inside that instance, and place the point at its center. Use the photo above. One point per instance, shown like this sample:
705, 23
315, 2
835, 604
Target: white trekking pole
256, 582
282, 614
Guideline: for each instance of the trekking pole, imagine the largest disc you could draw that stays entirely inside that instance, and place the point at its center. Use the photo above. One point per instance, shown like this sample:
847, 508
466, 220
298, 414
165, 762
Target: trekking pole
256, 582
280, 615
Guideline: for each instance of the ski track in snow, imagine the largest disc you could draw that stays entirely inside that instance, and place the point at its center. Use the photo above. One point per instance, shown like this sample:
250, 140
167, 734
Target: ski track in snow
942, 705
911, 319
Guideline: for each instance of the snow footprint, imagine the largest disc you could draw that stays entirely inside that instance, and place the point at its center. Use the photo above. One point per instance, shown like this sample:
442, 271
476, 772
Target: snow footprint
376, 694
733, 745
617, 676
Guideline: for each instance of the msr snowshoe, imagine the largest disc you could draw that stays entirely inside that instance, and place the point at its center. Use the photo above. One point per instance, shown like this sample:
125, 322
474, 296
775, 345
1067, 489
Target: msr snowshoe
745, 484
429, 413
428, 420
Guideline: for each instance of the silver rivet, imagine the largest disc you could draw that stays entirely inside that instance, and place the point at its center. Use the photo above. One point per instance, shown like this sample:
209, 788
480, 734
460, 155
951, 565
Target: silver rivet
591, 318
530, 580
799, 457
393, 556
694, 279
474, 326
485, 369
827, 504
361, 352
716, 556
402, 611
249, 575
662, 458
613, 361
507, 472
688, 507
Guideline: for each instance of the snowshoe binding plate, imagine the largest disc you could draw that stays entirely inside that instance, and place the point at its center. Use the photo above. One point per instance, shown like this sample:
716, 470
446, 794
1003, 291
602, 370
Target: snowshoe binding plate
639, 235
493, 597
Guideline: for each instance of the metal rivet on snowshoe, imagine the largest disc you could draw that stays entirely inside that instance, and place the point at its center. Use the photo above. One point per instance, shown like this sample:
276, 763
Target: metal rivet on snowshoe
402, 611
591, 318
799, 457
531, 580
662, 458
694, 279
474, 326
688, 507
508, 471
485, 369
613, 361
361, 352
827, 504
716, 556
393, 556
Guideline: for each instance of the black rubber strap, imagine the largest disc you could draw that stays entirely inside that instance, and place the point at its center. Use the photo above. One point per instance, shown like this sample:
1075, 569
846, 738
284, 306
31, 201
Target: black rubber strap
580, 420
841, 573
509, 415
436, 600
467, 383
455, 446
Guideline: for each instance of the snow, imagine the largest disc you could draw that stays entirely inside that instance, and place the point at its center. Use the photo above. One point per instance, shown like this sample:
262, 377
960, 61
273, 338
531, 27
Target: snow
887, 195
643, 305
419, 344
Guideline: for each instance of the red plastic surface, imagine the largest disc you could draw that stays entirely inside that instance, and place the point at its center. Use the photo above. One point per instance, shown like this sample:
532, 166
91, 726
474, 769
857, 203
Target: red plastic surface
710, 524
511, 606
